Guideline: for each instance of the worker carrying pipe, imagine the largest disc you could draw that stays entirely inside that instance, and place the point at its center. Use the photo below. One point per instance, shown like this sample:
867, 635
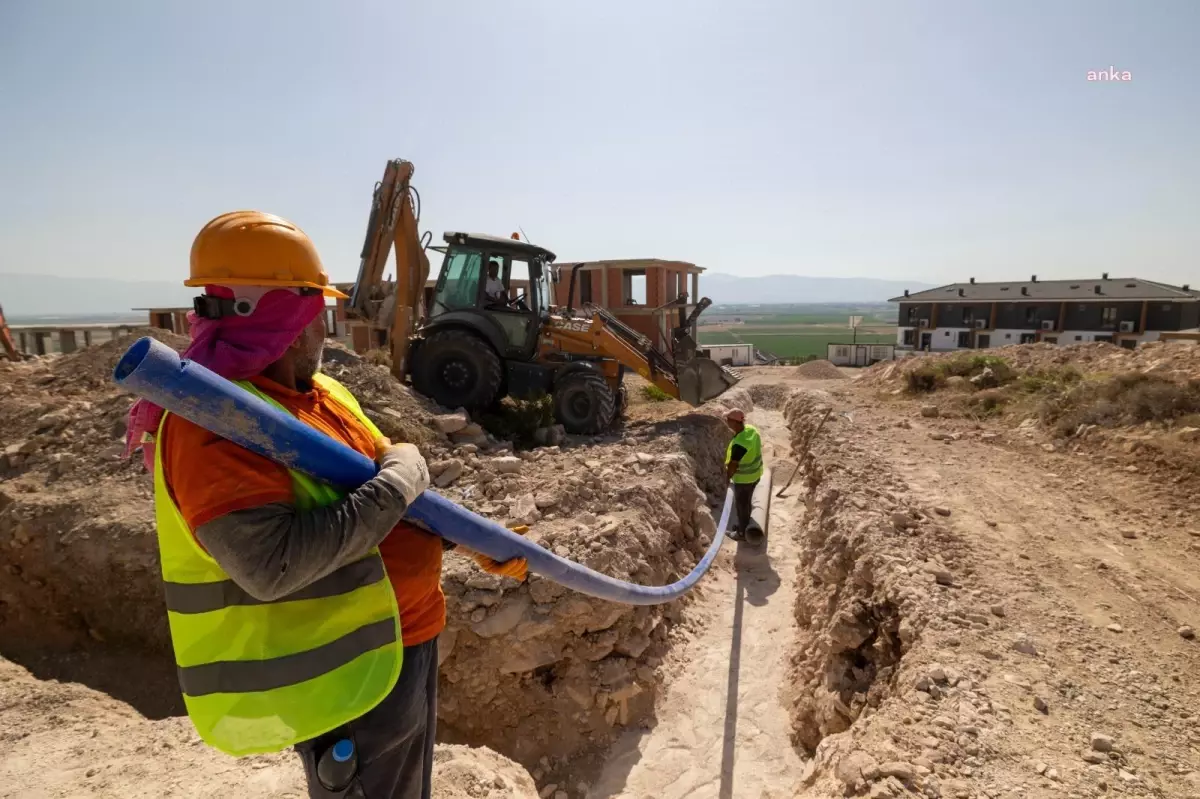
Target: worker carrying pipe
744, 467
242, 539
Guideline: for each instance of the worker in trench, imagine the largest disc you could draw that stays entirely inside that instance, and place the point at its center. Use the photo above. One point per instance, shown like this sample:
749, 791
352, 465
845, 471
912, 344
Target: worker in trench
300, 614
744, 467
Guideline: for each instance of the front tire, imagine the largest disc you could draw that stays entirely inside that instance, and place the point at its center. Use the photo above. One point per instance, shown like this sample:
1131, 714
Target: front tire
458, 369
584, 404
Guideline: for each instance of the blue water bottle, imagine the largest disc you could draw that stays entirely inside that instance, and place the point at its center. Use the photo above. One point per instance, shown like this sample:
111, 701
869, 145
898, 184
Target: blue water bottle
337, 766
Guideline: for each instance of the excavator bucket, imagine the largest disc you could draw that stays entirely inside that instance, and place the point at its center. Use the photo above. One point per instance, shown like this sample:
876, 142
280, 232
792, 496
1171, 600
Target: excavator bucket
700, 379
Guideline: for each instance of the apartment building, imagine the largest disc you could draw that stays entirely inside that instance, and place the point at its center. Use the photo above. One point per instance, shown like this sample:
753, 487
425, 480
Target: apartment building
1123, 311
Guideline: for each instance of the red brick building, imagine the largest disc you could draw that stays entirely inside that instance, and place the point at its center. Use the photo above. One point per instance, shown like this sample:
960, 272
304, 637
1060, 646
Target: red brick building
636, 291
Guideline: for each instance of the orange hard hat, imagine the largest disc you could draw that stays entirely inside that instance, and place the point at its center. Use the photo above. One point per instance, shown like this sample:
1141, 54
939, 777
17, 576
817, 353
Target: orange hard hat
251, 248
736, 415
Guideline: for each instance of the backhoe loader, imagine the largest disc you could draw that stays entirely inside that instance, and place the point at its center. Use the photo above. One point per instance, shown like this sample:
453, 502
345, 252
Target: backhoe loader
474, 345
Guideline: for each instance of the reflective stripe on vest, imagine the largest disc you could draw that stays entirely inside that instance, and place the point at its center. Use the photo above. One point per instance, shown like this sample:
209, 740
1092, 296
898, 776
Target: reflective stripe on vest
259, 676
750, 467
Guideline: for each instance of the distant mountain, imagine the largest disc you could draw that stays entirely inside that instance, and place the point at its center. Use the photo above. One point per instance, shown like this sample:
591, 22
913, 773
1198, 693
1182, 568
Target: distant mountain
41, 295
734, 290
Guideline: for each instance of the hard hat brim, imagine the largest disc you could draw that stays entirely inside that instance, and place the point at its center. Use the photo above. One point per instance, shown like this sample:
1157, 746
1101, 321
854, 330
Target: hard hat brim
328, 290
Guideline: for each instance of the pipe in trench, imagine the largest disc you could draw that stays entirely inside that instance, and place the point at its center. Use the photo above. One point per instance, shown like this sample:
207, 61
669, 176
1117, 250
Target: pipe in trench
760, 511
155, 372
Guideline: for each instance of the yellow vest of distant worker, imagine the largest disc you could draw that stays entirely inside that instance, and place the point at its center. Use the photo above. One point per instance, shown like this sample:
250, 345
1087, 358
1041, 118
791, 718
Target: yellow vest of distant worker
750, 467
259, 676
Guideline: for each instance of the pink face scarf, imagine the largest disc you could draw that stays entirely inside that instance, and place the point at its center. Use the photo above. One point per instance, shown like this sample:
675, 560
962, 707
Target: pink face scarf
235, 347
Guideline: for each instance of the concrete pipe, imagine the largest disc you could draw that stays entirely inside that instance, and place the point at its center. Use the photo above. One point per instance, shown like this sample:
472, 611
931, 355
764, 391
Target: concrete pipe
760, 511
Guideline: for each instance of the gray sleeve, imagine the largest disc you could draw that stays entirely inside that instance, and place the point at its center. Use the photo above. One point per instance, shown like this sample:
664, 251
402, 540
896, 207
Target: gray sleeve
274, 550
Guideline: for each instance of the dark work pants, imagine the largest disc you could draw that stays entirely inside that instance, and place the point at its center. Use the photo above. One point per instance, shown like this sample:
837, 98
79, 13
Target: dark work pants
743, 493
394, 739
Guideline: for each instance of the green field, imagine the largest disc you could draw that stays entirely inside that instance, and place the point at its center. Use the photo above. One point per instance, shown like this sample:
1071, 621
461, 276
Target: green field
812, 314
803, 345
797, 332
795, 344
718, 337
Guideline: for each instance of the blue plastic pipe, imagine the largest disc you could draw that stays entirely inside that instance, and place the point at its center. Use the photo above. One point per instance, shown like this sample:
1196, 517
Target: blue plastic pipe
154, 371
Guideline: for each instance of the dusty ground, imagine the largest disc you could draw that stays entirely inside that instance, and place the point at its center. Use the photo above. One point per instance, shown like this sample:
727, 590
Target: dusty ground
971, 615
62, 741
1070, 593
949, 605
81, 597
722, 725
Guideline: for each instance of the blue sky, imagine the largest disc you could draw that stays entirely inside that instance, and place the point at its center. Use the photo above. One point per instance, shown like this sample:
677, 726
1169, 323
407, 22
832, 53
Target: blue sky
910, 139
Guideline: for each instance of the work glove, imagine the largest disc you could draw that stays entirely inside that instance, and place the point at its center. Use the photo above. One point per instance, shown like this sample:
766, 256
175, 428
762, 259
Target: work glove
403, 467
516, 568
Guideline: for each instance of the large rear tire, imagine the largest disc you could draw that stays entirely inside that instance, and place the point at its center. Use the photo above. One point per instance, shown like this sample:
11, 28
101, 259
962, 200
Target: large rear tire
584, 404
457, 368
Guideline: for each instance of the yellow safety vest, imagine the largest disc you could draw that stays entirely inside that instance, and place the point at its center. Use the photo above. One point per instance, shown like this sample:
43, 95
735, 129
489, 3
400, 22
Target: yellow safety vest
750, 467
260, 676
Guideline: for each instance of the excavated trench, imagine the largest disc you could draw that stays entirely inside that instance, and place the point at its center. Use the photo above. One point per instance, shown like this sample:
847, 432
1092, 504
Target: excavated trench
531, 670
852, 616
875, 569
545, 676
567, 671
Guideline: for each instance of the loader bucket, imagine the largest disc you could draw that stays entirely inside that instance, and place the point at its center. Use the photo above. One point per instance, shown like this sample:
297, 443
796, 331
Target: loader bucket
701, 379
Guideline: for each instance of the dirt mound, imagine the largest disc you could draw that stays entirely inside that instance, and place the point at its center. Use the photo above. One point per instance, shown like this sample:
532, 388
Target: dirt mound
60, 412
850, 615
63, 739
876, 569
1097, 400
1171, 360
818, 370
1065, 611
645, 402
568, 670
400, 414
463, 772
76, 519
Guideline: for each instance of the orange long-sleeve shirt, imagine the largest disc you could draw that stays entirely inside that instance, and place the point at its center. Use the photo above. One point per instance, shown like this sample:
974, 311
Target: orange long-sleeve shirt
209, 476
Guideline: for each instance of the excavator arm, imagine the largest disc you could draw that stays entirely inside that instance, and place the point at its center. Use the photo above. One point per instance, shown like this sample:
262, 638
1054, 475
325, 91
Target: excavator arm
392, 225
688, 377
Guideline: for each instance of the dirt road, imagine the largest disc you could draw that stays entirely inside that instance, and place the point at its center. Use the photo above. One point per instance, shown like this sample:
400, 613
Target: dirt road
723, 729
1098, 566
1071, 605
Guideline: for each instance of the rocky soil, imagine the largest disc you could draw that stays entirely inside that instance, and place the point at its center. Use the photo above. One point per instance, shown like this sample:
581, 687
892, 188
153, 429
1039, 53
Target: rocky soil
979, 616
1174, 360
819, 370
950, 604
82, 598
63, 740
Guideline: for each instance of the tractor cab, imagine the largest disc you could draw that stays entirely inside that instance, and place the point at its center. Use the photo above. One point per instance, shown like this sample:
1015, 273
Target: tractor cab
500, 287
